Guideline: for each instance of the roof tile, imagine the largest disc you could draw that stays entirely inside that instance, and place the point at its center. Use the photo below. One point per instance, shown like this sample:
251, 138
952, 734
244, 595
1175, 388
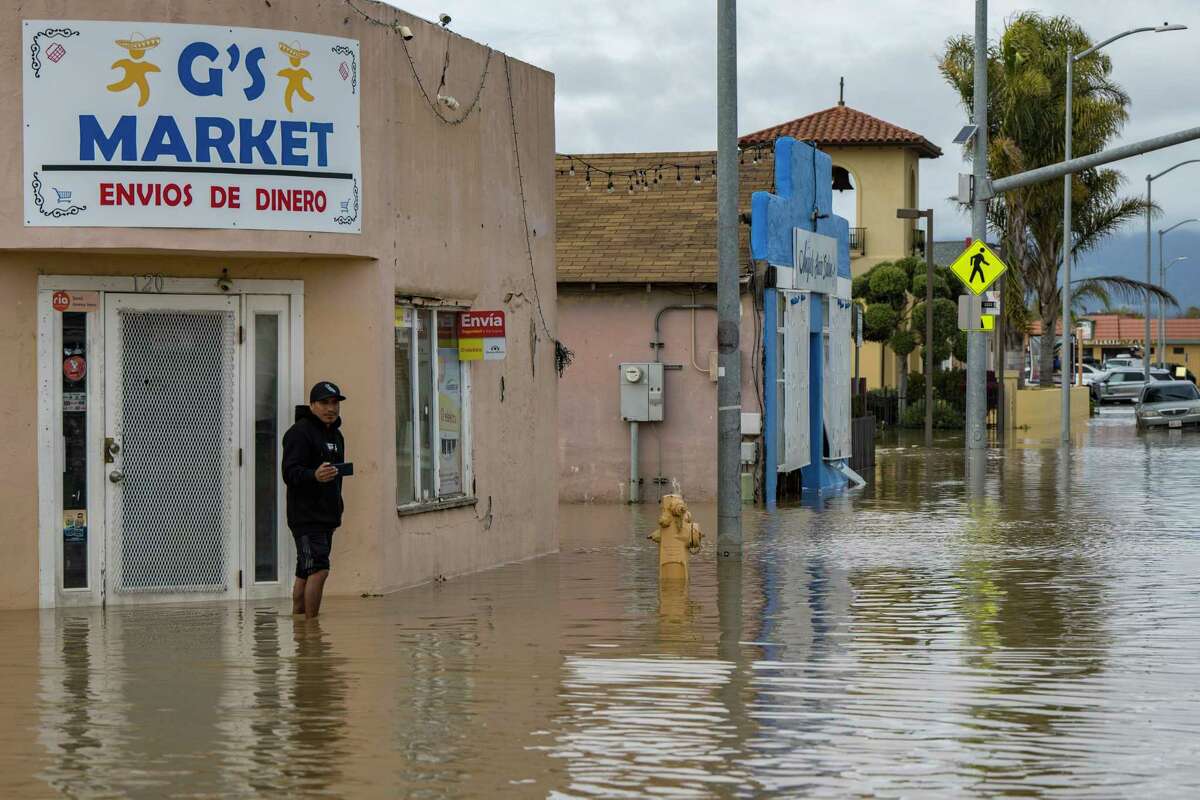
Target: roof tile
845, 126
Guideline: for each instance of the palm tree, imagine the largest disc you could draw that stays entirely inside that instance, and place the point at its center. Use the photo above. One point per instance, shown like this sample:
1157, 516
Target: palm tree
1026, 110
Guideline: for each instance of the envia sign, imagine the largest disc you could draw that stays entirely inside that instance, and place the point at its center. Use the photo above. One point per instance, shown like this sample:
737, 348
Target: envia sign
481, 336
140, 124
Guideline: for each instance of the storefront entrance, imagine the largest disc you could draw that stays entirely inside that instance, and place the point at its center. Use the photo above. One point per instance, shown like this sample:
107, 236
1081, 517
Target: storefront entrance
166, 411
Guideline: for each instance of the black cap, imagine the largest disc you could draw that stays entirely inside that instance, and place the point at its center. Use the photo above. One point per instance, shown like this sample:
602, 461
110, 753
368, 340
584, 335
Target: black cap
324, 389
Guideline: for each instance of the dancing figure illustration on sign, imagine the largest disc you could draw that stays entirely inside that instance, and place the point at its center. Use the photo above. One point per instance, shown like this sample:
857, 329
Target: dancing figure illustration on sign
295, 74
136, 70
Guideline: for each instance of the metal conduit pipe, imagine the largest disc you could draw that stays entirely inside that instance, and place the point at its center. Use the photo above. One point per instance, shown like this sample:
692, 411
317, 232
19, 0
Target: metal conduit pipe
634, 494
658, 343
658, 346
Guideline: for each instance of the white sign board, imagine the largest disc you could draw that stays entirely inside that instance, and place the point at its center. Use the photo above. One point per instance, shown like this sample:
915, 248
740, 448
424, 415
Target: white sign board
149, 124
836, 397
794, 366
814, 258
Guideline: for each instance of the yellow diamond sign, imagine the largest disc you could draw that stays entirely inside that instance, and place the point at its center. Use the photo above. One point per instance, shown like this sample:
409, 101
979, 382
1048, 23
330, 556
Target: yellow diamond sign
978, 267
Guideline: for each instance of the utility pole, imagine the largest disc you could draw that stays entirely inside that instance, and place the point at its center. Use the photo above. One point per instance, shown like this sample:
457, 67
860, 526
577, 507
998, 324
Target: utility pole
729, 356
1065, 349
977, 341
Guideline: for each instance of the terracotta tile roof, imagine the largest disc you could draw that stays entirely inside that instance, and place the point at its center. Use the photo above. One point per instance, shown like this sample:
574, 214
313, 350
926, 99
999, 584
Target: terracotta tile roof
847, 127
1113, 327
665, 235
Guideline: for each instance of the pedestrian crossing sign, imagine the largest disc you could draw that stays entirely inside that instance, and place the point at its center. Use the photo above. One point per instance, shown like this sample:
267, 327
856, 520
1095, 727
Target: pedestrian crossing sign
978, 267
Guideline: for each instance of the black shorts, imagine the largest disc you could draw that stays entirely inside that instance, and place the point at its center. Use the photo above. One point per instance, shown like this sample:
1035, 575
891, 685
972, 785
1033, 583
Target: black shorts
312, 551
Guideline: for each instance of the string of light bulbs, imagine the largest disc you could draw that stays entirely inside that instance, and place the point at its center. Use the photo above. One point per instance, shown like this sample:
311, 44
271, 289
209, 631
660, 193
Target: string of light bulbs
646, 177
449, 101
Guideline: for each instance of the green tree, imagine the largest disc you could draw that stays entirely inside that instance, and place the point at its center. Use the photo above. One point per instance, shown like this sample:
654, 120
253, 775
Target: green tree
1026, 110
889, 292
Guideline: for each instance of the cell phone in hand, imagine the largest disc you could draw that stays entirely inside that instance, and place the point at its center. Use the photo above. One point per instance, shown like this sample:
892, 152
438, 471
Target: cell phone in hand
344, 468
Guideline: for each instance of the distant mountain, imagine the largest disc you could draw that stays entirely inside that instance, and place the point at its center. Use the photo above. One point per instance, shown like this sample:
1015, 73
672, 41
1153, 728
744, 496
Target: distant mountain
1125, 254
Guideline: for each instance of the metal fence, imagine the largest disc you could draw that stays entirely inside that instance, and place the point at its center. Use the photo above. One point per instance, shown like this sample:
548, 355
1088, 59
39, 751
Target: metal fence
884, 407
862, 438
858, 240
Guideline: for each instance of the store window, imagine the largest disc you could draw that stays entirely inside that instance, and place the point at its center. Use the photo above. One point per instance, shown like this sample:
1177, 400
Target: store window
432, 451
266, 448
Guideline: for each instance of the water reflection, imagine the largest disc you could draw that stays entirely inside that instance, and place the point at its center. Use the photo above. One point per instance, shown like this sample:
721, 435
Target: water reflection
1031, 635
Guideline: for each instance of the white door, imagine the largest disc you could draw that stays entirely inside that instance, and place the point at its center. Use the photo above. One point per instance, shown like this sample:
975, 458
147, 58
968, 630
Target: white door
172, 391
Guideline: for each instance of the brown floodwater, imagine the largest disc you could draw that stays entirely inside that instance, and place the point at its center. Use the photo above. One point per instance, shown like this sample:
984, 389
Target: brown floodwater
901, 641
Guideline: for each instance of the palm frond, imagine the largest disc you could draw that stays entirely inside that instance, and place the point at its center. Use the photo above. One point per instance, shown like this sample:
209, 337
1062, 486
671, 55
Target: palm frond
1107, 286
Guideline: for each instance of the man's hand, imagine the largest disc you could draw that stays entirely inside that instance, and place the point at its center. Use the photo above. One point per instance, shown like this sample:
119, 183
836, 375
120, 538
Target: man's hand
326, 472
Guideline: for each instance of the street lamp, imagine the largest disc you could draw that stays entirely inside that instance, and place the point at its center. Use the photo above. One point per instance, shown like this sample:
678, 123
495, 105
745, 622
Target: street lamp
1162, 313
1149, 180
916, 213
1066, 291
1162, 284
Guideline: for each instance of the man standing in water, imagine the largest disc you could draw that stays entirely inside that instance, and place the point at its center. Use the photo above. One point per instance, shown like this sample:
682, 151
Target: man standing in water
311, 449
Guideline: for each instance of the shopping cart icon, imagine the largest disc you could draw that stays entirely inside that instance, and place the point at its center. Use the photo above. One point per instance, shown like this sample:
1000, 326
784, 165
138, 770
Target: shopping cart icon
64, 196
345, 206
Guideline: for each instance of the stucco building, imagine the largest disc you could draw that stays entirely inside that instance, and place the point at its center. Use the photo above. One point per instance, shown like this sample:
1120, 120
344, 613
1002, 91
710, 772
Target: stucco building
877, 169
219, 204
637, 263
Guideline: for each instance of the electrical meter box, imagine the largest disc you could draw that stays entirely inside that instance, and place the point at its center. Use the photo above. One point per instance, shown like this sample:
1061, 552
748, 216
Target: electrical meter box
641, 391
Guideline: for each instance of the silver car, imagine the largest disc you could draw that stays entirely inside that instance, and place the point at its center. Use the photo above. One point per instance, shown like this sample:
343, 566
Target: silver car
1125, 384
1169, 405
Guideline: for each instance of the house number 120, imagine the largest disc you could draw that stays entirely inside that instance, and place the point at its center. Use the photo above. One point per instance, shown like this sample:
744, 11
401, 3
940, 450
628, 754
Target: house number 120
148, 284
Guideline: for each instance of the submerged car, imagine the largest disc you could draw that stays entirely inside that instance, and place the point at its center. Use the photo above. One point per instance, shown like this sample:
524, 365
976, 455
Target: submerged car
1168, 405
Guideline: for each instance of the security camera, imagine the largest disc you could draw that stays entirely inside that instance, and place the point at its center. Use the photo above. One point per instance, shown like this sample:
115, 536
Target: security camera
405, 32
444, 19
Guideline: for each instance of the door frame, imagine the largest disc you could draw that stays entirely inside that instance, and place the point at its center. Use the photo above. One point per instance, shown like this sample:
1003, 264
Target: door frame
236, 520
49, 418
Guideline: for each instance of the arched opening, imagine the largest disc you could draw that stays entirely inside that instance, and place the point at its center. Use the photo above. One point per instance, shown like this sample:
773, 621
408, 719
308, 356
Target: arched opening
845, 205
918, 234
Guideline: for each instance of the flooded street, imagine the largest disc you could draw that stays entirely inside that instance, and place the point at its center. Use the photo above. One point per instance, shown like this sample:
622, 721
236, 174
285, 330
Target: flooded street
896, 642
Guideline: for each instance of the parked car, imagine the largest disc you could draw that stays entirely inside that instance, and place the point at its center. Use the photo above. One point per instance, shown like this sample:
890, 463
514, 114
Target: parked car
1090, 373
1168, 405
1125, 384
1118, 362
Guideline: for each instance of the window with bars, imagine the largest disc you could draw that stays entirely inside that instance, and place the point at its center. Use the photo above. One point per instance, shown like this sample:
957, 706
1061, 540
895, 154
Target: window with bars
432, 450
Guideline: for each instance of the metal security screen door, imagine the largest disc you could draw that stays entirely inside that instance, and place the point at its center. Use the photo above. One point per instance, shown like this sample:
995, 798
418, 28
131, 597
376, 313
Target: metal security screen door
172, 389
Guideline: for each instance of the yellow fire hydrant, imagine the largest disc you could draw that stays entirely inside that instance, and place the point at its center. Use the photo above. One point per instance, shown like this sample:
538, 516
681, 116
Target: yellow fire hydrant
677, 535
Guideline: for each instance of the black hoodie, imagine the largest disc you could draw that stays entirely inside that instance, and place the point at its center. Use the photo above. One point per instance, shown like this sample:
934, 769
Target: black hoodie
312, 505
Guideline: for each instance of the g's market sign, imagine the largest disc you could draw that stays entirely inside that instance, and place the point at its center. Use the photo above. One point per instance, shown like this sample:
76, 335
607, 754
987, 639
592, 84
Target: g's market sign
146, 124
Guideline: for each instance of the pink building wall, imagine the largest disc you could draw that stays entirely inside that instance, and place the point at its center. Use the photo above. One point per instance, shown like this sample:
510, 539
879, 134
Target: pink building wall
611, 325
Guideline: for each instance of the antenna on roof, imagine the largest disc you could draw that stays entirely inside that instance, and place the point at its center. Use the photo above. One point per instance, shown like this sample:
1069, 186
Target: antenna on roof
842, 91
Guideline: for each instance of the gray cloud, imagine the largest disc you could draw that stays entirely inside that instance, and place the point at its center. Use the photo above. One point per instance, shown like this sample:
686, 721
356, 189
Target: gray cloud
635, 76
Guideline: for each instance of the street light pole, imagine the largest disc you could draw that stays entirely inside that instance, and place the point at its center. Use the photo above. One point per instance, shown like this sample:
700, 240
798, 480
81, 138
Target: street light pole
729, 380
914, 213
1065, 348
976, 410
1149, 279
1162, 306
1162, 284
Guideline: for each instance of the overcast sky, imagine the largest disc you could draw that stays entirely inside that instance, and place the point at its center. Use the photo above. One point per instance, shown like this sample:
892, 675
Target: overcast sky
640, 76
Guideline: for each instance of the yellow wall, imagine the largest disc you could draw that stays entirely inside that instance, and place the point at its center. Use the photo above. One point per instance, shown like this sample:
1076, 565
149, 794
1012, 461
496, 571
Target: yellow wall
884, 179
1039, 410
